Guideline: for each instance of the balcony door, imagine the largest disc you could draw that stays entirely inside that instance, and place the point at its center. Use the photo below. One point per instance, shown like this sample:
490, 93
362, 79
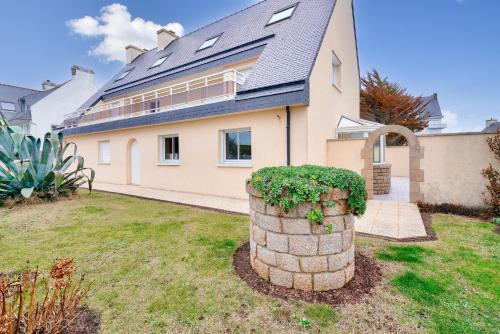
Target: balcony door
135, 172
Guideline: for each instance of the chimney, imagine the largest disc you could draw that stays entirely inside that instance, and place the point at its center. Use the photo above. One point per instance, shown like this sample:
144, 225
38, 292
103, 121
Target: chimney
165, 37
133, 52
47, 84
77, 70
491, 121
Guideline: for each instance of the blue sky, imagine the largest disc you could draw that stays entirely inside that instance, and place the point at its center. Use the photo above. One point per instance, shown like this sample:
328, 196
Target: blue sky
451, 47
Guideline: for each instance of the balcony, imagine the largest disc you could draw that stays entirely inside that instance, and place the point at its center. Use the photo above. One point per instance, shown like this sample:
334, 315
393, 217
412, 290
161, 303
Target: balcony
209, 89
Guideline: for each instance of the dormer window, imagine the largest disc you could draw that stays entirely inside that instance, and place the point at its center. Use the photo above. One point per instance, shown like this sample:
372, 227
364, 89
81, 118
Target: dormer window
159, 61
123, 75
209, 43
282, 15
7, 106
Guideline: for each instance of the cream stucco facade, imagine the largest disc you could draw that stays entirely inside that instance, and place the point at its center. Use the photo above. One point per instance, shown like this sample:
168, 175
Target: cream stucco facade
201, 168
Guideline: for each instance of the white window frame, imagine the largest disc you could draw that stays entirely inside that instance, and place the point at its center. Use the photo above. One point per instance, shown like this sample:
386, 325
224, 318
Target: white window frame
164, 161
336, 71
159, 61
277, 16
100, 152
209, 43
238, 161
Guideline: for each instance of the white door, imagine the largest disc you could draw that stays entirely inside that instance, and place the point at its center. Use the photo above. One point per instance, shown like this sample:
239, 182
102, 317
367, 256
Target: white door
135, 172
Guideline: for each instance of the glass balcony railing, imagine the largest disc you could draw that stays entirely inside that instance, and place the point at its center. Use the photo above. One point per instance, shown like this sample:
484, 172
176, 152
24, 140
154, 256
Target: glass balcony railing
209, 89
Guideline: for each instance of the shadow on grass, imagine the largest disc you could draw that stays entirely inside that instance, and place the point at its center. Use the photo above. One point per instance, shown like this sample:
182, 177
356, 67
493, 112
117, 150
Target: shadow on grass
407, 254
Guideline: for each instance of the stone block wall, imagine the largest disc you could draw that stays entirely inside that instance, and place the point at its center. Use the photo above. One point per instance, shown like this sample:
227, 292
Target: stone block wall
287, 250
381, 179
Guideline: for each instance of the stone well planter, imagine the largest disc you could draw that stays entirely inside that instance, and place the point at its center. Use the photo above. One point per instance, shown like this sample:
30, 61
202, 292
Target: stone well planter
289, 251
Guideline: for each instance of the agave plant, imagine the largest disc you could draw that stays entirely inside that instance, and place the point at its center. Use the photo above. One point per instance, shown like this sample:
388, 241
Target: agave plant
33, 167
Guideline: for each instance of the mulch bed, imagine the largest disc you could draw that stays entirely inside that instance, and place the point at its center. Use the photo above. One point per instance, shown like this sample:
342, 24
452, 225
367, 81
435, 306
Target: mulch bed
497, 229
87, 321
367, 275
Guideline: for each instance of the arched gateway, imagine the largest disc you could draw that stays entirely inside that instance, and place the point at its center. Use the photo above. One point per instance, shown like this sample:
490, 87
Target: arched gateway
416, 153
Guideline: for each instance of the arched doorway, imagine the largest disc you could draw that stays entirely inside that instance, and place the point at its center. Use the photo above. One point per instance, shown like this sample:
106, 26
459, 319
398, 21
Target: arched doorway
133, 163
416, 153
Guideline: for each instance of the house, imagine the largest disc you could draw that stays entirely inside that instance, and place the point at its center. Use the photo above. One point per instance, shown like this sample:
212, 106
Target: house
433, 108
492, 126
265, 86
41, 111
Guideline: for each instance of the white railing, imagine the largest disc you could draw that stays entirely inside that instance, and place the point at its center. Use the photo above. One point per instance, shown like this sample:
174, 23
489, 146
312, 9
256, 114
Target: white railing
209, 89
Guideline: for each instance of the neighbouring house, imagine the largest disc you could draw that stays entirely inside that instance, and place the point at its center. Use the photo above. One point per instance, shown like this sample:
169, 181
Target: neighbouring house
436, 116
42, 111
492, 126
265, 86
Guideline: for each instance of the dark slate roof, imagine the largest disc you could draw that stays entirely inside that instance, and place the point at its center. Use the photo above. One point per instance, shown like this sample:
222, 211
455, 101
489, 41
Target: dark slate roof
9, 93
433, 106
492, 128
287, 50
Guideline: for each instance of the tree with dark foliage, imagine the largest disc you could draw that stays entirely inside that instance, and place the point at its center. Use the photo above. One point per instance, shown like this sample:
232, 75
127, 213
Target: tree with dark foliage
492, 195
387, 102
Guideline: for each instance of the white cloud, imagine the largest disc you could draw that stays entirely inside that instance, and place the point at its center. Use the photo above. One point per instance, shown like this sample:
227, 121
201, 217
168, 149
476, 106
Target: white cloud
450, 118
117, 29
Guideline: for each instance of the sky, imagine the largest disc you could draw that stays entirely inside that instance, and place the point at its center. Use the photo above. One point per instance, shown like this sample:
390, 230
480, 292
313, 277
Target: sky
451, 47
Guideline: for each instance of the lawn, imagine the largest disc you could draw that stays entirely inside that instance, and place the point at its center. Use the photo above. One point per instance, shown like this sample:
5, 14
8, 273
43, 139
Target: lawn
163, 268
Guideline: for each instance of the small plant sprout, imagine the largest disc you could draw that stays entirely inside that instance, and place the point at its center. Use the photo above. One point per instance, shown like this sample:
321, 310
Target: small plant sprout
305, 322
329, 204
329, 228
315, 216
496, 220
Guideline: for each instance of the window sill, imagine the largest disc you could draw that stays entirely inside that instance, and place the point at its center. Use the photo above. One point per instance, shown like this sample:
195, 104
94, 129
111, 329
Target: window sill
235, 165
169, 163
104, 163
337, 87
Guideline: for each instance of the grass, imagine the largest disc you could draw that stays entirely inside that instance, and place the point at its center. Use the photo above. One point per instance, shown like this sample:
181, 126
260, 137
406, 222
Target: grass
163, 268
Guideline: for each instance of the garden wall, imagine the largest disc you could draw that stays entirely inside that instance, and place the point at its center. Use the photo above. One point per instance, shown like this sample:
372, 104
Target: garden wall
399, 158
452, 165
288, 250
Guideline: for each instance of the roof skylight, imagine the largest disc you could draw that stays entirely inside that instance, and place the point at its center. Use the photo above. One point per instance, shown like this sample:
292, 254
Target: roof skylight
209, 43
123, 75
282, 15
159, 61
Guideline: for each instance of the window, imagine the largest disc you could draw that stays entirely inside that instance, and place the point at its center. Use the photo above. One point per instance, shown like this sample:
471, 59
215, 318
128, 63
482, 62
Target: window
104, 152
123, 75
209, 43
237, 145
159, 61
379, 150
169, 148
7, 106
282, 15
335, 70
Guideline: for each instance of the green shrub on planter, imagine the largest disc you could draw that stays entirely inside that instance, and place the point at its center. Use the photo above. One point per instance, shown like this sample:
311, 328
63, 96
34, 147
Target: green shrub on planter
289, 186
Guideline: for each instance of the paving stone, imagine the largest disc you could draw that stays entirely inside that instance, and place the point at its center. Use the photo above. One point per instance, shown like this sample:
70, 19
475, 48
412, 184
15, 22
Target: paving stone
274, 210
347, 237
303, 245
351, 254
269, 223
277, 242
337, 223
349, 221
253, 248
302, 281
330, 244
349, 272
295, 226
340, 208
280, 277
288, 262
334, 194
259, 235
261, 269
257, 204
314, 264
252, 191
338, 261
329, 281
267, 256
304, 208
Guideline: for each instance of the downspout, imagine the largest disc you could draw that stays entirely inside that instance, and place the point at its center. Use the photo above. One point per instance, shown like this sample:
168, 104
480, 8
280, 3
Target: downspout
288, 135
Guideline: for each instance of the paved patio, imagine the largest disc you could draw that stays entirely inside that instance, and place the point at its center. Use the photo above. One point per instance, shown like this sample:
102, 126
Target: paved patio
392, 220
400, 190
386, 219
